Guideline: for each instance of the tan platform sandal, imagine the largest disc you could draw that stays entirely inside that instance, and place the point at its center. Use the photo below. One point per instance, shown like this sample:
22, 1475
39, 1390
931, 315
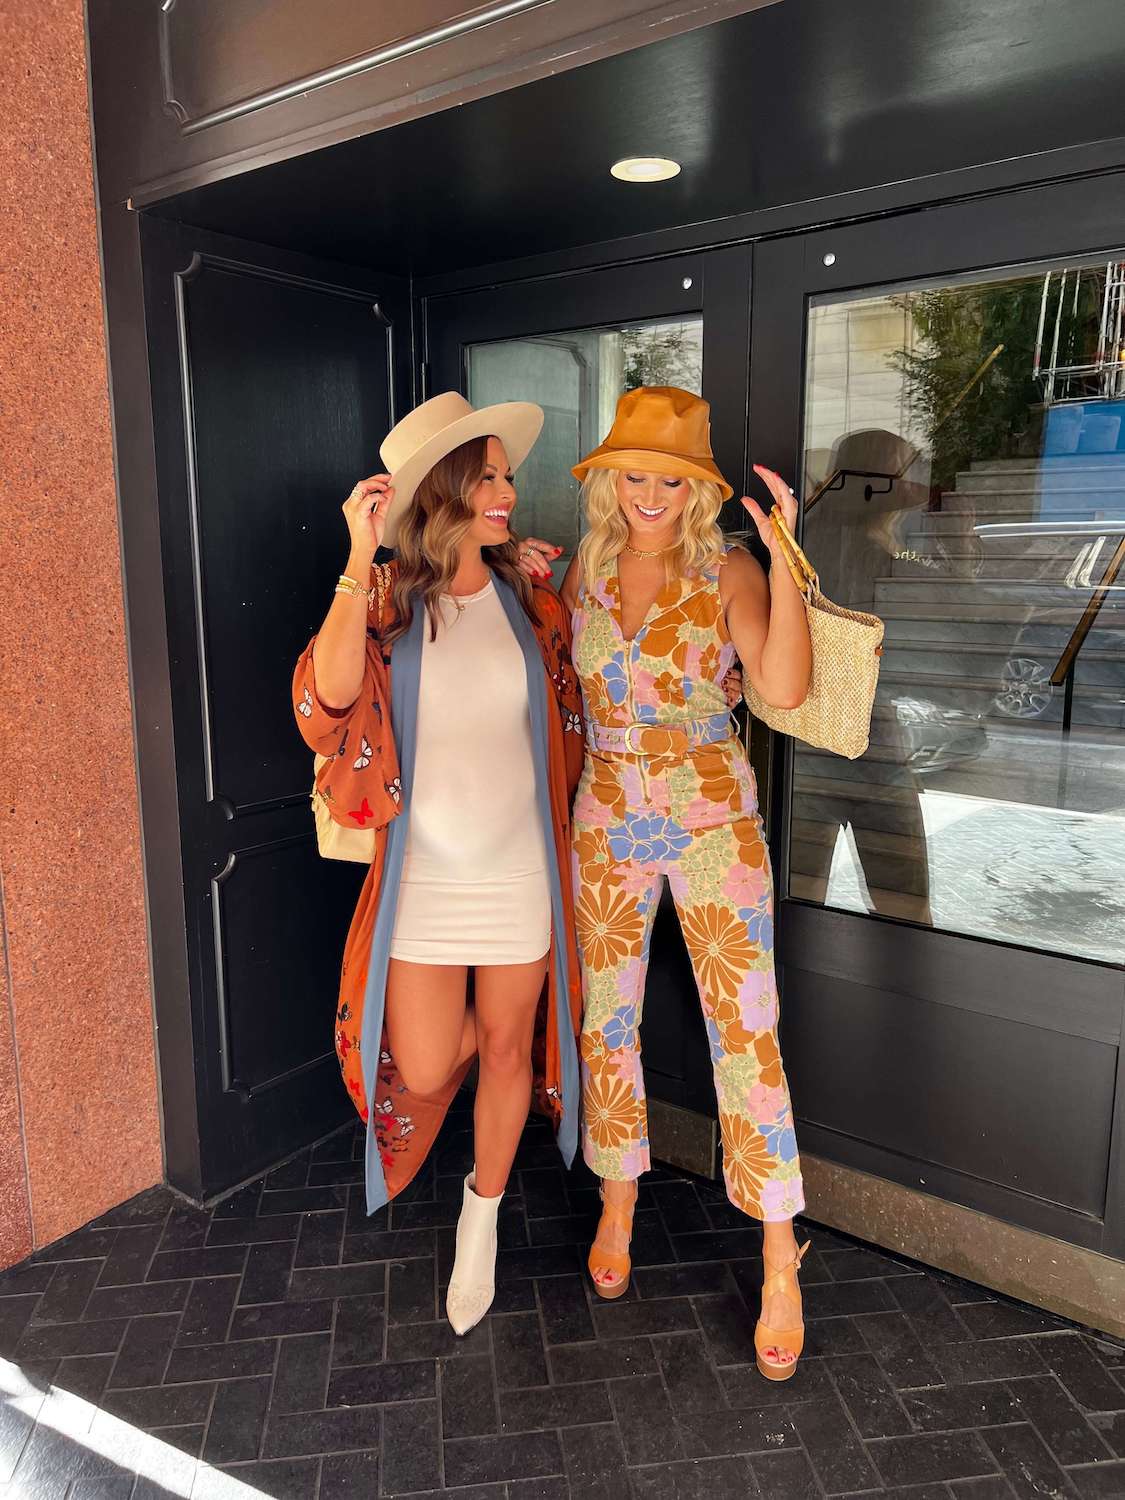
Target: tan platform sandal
792, 1340
612, 1260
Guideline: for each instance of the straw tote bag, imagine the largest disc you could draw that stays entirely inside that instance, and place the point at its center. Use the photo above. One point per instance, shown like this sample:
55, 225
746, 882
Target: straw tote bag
846, 649
333, 840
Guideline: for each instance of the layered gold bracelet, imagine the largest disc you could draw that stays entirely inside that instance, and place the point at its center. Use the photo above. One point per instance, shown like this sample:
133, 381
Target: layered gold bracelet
347, 585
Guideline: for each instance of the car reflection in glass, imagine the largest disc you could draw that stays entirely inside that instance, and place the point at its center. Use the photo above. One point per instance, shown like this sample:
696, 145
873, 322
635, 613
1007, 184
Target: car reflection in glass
933, 738
1033, 676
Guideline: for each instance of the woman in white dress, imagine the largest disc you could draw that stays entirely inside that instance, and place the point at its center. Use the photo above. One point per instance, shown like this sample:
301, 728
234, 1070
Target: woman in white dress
467, 663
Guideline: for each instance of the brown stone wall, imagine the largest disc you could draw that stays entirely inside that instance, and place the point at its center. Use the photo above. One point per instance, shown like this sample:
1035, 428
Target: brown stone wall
79, 1129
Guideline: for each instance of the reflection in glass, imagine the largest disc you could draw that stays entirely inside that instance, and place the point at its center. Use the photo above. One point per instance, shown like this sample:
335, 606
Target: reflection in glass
964, 478
577, 377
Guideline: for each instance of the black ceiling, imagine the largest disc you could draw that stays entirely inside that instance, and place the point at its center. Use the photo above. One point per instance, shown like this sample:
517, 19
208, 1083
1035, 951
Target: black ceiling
799, 101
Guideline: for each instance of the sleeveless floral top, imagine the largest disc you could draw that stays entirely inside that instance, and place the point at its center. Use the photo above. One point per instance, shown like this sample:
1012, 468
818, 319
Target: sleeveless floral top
672, 670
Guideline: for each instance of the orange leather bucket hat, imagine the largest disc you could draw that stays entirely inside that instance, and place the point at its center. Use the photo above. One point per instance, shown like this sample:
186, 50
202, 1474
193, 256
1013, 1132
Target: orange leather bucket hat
659, 429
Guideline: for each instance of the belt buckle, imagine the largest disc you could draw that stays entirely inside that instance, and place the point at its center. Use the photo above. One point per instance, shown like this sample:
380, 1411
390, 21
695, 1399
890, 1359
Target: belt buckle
630, 748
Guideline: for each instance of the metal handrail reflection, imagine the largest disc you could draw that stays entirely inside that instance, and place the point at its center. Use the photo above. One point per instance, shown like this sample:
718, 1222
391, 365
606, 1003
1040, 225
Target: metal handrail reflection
915, 452
1064, 667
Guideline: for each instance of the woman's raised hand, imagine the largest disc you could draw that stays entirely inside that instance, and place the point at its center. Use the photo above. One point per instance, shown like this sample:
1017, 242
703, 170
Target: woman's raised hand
536, 557
365, 511
783, 498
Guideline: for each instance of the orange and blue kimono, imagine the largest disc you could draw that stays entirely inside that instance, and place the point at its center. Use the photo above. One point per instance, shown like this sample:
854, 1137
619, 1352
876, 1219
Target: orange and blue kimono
667, 793
366, 782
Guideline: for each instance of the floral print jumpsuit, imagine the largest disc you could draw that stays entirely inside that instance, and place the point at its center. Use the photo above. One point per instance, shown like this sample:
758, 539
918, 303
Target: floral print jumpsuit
691, 817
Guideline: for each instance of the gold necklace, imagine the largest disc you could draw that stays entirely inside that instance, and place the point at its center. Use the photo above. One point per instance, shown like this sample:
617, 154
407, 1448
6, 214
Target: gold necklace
636, 551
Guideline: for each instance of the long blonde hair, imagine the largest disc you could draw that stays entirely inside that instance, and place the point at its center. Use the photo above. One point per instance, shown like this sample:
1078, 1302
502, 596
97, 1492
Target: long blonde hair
700, 543
430, 535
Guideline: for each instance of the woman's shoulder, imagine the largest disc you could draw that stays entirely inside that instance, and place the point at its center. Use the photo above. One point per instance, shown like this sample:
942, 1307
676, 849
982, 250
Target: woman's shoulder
738, 568
737, 555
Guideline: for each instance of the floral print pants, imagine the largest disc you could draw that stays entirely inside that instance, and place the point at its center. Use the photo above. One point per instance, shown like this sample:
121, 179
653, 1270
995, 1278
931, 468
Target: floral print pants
721, 884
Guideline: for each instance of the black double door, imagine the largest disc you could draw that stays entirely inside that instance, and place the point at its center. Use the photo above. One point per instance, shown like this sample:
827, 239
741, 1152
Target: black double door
945, 386
274, 379
950, 925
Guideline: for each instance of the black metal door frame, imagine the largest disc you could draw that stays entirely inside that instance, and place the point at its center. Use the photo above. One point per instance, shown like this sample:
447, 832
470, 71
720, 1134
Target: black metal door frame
825, 949
714, 284
846, 954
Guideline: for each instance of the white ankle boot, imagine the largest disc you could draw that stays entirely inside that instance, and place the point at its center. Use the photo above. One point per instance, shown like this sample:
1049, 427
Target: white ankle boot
473, 1283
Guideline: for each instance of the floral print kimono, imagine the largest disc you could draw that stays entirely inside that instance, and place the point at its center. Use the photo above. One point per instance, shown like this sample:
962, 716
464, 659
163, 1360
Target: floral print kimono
688, 815
366, 783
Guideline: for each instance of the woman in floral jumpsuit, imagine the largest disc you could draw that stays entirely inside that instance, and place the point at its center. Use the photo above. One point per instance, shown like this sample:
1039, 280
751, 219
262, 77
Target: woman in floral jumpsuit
662, 605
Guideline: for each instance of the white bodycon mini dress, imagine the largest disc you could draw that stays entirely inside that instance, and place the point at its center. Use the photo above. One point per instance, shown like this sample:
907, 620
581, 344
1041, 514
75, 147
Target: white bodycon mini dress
474, 883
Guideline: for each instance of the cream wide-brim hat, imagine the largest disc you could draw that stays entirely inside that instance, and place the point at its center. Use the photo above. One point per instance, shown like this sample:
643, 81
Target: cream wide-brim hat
432, 430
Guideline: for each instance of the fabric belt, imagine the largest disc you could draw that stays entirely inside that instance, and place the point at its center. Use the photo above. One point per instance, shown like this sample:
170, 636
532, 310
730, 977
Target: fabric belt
675, 738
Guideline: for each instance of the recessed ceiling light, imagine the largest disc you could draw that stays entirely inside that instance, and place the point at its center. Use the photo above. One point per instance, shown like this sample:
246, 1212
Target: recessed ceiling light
645, 168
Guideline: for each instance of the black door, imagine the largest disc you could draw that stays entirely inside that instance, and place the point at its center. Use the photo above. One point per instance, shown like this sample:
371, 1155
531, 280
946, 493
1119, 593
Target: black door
951, 385
573, 344
274, 380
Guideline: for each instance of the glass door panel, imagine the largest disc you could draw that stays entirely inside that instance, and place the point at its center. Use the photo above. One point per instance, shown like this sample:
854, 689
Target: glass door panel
577, 377
964, 478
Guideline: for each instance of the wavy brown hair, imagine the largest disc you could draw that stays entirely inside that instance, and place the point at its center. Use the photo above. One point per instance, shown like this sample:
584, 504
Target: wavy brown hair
430, 535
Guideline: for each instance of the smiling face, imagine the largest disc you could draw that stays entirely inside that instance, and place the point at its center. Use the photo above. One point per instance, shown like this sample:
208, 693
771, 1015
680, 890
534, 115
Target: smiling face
493, 500
652, 505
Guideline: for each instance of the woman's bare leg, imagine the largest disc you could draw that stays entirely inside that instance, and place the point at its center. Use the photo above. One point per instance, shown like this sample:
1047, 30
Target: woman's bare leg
430, 1030
507, 996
